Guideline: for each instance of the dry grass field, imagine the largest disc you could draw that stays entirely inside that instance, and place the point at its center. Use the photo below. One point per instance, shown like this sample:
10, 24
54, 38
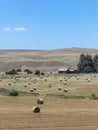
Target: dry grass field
46, 60
56, 114
70, 100
78, 85
72, 110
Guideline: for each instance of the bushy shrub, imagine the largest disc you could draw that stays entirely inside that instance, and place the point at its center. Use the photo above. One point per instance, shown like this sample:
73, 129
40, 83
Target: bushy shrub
37, 72
18, 70
11, 72
13, 92
28, 71
42, 73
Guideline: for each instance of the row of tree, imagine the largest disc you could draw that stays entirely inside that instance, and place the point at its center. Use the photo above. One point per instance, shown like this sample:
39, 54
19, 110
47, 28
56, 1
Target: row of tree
15, 72
88, 63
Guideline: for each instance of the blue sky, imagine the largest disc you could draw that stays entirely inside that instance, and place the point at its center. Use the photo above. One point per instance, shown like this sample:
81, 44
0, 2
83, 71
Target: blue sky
48, 24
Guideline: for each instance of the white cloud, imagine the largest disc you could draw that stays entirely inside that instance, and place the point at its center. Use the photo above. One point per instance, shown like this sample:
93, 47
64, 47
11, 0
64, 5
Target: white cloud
15, 29
20, 29
7, 29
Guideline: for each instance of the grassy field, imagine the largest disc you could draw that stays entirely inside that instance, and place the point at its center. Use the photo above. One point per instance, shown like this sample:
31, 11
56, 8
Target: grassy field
70, 101
73, 110
78, 85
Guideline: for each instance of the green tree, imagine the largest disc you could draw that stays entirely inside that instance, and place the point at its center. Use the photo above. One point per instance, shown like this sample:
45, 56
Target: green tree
86, 63
11, 72
37, 72
81, 62
95, 62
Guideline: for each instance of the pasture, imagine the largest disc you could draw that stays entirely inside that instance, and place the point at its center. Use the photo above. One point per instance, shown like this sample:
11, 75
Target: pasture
74, 109
51, 84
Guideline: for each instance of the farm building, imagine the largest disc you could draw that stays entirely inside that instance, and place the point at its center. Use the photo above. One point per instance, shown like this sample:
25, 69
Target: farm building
68, 70
62, 70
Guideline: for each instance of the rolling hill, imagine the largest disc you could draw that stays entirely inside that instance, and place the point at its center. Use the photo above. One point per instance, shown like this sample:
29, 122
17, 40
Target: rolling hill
45, 60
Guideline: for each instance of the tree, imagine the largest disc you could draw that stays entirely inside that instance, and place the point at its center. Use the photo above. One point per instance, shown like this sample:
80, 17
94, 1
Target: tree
37, 72
11, 72
95, 62
28, 71
86, 63
81, 62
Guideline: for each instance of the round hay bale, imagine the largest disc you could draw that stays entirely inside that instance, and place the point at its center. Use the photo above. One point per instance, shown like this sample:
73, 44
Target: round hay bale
34, 88
65, 90
9, 83
65, 83
41, 77
25, 85
45, 79
14, 82
88, 80
77, 78
31, 90
34, 81
61, 80
29, 83
40, 101
36, 109
59, 88
50, 84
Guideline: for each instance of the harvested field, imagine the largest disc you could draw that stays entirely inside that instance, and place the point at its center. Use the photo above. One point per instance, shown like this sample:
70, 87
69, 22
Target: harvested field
75, 109
56, 114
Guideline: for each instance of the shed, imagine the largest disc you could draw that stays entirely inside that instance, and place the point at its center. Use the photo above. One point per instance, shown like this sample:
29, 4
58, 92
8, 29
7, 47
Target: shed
68, 70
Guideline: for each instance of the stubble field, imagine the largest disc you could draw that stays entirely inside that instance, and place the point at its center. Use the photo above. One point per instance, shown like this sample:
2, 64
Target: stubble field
56, 114
76, 109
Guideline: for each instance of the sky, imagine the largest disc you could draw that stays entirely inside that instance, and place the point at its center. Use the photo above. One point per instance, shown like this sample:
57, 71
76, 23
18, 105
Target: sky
48, 24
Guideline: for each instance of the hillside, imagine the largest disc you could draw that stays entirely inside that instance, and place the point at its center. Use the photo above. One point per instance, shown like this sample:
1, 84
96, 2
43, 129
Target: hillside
47, 60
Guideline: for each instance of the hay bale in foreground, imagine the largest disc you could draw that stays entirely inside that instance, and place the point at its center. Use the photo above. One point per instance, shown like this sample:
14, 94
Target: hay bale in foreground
40, 101
36, 109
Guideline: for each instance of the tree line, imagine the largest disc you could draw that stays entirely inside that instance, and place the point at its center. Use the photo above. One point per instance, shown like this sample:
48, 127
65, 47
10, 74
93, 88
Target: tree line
88, 63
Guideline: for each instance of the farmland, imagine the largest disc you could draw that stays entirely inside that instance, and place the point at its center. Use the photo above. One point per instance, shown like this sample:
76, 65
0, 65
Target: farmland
16, 114
51, 84
75, 109
70, 100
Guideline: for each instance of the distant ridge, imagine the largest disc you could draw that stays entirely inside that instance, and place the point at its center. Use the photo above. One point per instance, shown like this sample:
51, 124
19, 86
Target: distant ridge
60, 49
45, 60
